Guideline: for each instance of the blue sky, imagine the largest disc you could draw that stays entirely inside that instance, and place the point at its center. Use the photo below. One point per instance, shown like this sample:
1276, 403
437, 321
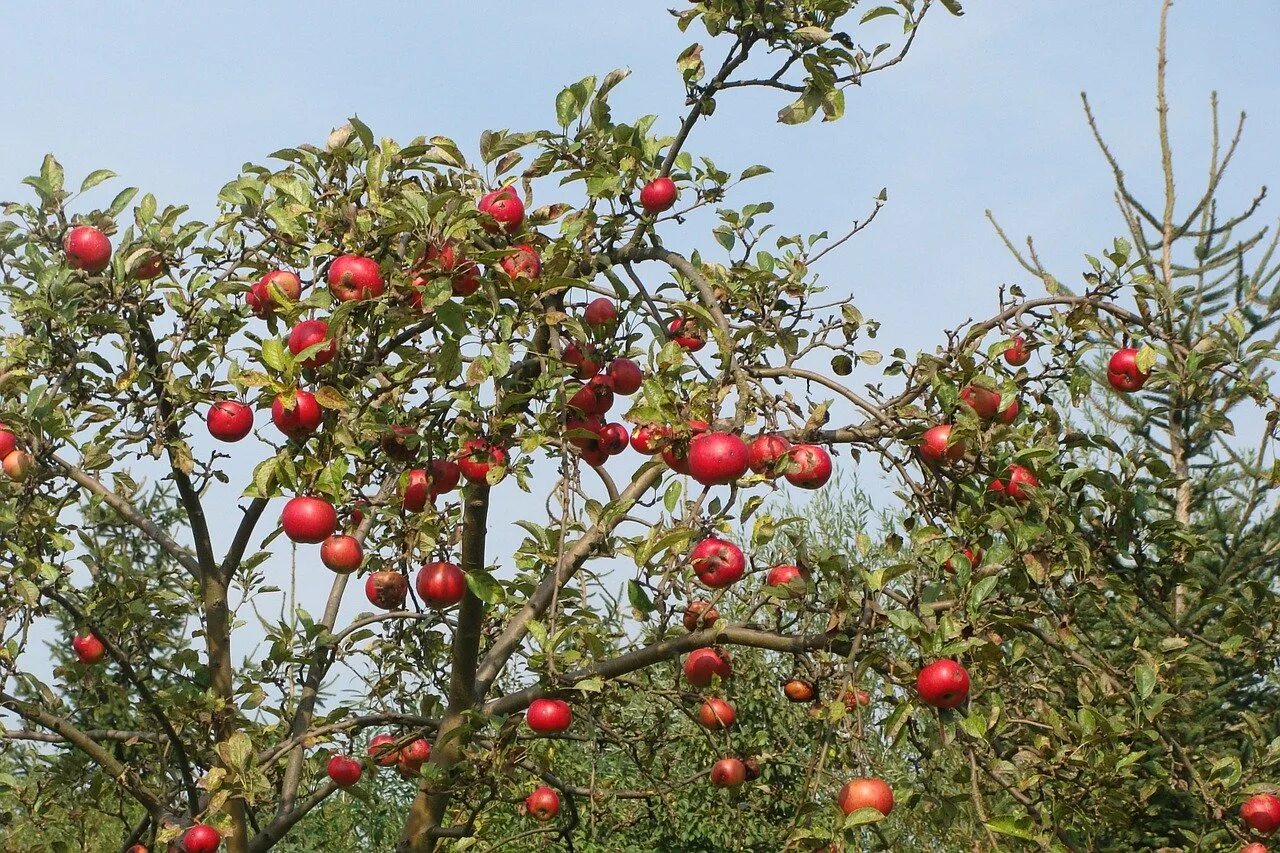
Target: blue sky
984, 114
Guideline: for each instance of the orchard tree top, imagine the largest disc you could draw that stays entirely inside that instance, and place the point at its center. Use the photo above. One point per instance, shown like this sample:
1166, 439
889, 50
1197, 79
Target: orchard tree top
427, 332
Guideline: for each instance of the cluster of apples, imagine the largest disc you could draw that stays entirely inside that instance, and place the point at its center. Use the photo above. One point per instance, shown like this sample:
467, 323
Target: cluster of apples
16, 462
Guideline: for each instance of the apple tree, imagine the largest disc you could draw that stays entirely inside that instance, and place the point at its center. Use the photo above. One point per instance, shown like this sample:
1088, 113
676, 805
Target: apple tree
440, 343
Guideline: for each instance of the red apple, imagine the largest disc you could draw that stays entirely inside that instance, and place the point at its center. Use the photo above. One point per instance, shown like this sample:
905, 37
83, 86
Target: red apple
943, 684
88, 648
702, 664
717, 458
416, 490
594, 455
765, 452
751, 767
342, 554
400, 443
229, 420
8, 441
309, 520
600, 312
799, 690
149, 267
936, 445
1261, 813
300, 421
18, 465
1017, 354
386, 589
786, 576
658, 195
716, 713
686, 334
137, 848
1123, 372
808, 466
447, 259
309, 333
201, 838
626, 375
522, 262
728, 773
87, 248
717, 563
382, 750
614, 438
650, 439
353, 277
584, 360
415, 753
854, 699
1018, 486
700, 615
477, 457
549, 716
1255, 847
504, 208
344, 770
445, 476
543, 804
866, 794
441, 584
583, 432
973, 555
264, 295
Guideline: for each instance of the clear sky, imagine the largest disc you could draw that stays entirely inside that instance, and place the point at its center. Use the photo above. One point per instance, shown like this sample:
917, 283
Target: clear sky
984, 114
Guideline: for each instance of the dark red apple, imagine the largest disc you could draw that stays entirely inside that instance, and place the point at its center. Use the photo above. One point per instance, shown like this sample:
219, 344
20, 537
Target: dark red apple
201, 838
400, 443
441, 584
382, 750
87, 248
986, 403
1123, 372
943, 684
717, 562
416, 490
686, 334
310, 333
583, 432
1261, 813
1017, 354
227, 420
352, 278
1018, 486
543, 804
584, 359
300, 421
309, 520
786, 576
703, 664
716, 713
799, 690
808, 466
477, 457
717, 458
626, 375
728, 773
549, 716
700, 615
522, 262
765, 452
149, 267
658, 195
863, 793
88, 648
600, 312
504, 208
936, 445
342, 554
854, 698
344, 770
447, 259
386, 589
614, 438
650, 439
445, 476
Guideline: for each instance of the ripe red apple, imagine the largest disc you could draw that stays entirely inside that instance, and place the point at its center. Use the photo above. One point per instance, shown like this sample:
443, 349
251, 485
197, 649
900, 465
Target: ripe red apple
854, 698
441, 584
614, 438
1123, 372
728, 773
799, 690
523, 261
650, 439
973, 555
865, 793
717, 458
201, 838
592, 398
583, 432
477, 457
229, 420
386, 589
1017, 354
986, 403
626, 375
700, 615
137, 848
447, 258
87, 248
342, 554
309, 520
765, 452
416, 490
686, 334
18, 465
1261, 813
445, 476
789, 577
264, 295
344, 770
716, 713
658, 195
299, 422
943, 684
8, 441
382, 750
415, 753
149, 267
1018, 486
808, 466
505, 209
1255, 847
936, 448
594, 455
543, 804
352, 278
88, 648
309, 333
583, 359
549, 716
718, 563
702, 664
600, 312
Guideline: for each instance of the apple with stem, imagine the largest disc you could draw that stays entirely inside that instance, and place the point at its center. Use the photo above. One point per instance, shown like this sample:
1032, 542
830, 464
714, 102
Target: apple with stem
658, 195
270, 292
943, 684
441, 584
1123, 372
543, 804
229, 420
503, 208
1017, 354
699, 615
344, 770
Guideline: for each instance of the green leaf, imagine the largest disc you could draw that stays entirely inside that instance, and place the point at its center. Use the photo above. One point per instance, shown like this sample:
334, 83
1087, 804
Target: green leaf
96, 177
671, 499
274, 354
878, 12
953, 6
1017, 826
981, 590
484, 587
1145, 679
51, 173
639, 599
